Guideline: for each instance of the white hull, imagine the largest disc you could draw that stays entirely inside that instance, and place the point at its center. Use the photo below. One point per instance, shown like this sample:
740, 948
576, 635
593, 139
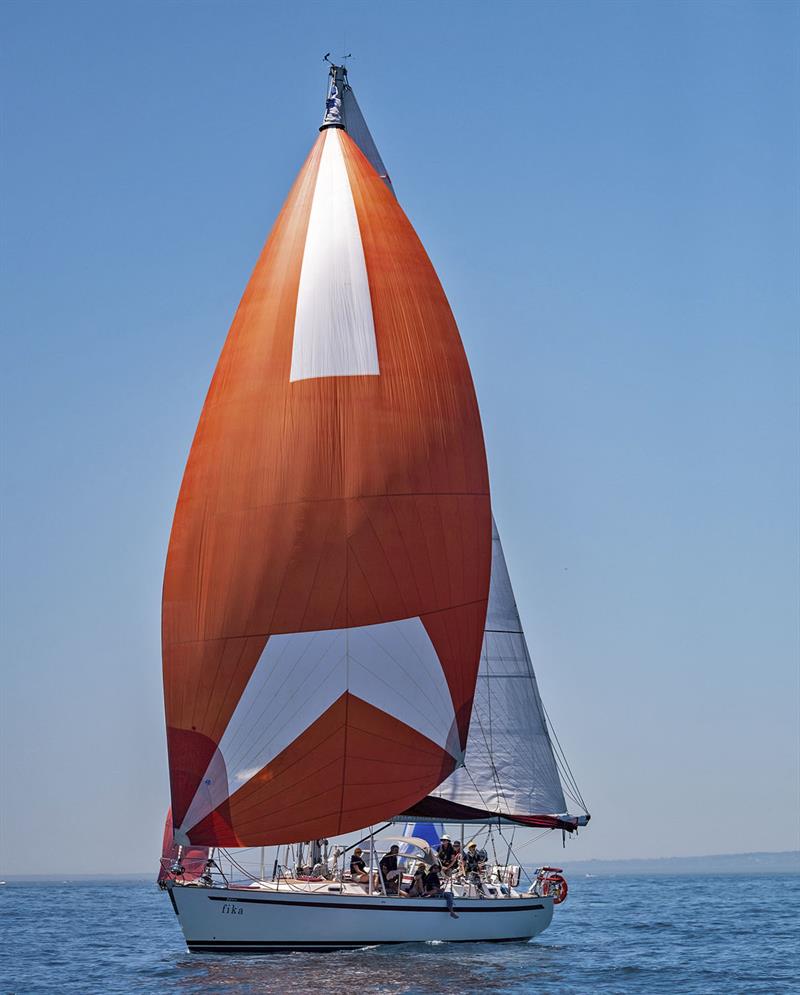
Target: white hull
242, 920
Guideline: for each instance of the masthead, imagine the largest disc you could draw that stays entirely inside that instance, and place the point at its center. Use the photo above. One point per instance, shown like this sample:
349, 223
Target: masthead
337, 82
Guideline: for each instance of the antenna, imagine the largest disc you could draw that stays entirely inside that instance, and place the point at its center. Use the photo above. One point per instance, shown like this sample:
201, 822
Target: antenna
342, 58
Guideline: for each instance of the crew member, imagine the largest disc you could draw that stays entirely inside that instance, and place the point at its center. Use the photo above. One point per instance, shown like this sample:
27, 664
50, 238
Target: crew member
389, 872
358, 869
417, 887
445, 851
433, 883
453, 865
474, 860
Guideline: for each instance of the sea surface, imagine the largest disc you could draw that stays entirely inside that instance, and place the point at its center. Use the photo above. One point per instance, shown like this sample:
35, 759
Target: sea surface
677, 935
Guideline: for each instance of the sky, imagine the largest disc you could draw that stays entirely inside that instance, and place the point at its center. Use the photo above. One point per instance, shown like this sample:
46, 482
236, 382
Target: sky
609, 194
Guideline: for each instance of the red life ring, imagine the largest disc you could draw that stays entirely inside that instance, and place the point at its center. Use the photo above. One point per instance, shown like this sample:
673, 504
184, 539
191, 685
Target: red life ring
556, 887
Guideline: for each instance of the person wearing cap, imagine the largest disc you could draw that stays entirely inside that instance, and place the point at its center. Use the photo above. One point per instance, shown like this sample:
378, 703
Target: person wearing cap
389, 872
433, 883
358, 869
453, 865
474, 860
417, 887
445, 851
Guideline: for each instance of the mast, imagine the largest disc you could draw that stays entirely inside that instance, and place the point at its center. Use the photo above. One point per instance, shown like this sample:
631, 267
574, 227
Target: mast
334, 113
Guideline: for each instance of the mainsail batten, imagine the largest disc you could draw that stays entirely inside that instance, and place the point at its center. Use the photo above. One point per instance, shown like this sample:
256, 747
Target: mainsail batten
351, 497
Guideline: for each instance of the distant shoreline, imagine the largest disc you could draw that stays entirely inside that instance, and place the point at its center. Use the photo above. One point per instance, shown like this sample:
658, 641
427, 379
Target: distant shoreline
781, 862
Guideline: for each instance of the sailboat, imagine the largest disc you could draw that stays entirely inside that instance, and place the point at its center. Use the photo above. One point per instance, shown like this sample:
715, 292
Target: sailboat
341, 644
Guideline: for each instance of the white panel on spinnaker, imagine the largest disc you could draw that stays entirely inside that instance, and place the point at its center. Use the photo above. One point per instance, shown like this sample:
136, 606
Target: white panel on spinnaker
391, 665
334, 332
509, 766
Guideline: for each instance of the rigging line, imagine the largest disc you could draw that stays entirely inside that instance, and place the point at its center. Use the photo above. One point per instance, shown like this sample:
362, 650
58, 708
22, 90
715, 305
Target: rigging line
575, 788
519, 862
567, 786
574, 799
570, 796
247, 873
566, 762
495, 775
560, 755
548, 724
568, 782
488, 741
533, 839
561, 768
237, 865
513, 834
491, 842
477, 717
477, 790
365, 838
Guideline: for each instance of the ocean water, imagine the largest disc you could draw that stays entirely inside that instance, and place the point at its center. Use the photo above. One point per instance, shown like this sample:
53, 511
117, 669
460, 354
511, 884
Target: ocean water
676, 935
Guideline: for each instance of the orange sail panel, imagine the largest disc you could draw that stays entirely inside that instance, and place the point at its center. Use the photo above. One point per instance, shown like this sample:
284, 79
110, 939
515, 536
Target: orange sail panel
328, 570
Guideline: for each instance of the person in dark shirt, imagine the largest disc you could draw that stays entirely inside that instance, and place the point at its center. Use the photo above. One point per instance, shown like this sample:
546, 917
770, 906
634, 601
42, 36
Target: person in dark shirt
453, 865
389, 872
417, 887
474, 861
445, 852
358, 869
433, 883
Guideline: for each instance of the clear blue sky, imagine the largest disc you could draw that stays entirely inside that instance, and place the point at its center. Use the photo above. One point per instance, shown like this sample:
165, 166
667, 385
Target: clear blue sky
609, 194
